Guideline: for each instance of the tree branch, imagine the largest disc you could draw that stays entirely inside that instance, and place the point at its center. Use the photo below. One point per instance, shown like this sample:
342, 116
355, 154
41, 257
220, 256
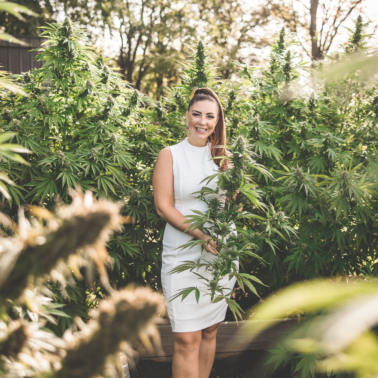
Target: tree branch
353, 7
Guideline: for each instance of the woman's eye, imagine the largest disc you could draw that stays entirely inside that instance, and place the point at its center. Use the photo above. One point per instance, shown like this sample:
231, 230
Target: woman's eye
198, 115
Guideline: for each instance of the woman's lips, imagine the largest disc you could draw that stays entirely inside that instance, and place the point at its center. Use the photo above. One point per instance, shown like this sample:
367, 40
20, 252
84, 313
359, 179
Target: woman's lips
201, 130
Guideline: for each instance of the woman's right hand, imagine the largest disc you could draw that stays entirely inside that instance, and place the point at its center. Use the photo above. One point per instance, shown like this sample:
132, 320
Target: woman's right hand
210, 246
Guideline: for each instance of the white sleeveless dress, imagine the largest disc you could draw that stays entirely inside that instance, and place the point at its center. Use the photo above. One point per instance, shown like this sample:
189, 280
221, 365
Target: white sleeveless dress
190, 166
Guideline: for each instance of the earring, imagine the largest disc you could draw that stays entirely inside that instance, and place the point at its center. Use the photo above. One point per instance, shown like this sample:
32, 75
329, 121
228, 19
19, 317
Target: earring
214, 131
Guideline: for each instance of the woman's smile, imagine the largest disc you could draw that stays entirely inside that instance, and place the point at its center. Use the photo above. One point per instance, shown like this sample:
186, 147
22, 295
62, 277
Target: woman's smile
201, 130
202, 120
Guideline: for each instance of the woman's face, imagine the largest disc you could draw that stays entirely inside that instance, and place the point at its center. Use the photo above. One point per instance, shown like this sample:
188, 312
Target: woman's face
202, 118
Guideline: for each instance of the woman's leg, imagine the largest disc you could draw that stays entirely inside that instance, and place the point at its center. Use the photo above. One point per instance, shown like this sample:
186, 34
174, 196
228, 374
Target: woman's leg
186, 349
207, 350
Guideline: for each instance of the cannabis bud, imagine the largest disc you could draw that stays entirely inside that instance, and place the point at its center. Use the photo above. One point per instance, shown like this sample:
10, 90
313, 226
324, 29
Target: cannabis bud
16, 123
201, 63
280, 216
6, 114
224, 227
101, 124
214, 204
232, 95
126, 112
273, 63
89, 84
281, 42
344, 175
113, 138
110, 101
177, 97
134, 98
135, 194
213, 284
240, 144
100, 60
37, 90
298, 173
233, 252
159, 110
27, 78
287, 67
105, 74
67, 25
235, 120
60, 155
94, 151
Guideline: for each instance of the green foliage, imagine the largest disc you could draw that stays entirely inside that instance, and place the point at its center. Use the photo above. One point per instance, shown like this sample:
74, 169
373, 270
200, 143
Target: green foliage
82, 124
318, 139
44, 252
337, 336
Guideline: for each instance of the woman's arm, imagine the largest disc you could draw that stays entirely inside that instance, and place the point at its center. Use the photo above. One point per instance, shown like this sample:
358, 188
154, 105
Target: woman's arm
162, 182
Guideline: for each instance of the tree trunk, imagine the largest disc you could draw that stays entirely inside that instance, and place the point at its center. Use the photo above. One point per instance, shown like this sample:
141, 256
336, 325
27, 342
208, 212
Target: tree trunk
159, 86
315, 50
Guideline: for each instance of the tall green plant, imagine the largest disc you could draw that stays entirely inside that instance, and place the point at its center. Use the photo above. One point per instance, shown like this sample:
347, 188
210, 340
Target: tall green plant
326, 181
31, 259
317, 138
76, 121
237, 187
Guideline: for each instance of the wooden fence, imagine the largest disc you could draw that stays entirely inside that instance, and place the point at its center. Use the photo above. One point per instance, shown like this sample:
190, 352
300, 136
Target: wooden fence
16, 58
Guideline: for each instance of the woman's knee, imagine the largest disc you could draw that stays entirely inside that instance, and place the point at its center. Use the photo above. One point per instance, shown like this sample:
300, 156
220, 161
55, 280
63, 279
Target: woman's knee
210, 333
188, 341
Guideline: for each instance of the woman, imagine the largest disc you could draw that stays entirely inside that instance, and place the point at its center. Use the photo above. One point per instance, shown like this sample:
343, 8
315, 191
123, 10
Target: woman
178, 174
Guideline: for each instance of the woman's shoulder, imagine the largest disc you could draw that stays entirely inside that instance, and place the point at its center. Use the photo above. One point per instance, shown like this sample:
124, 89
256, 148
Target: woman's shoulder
168, 151
173, 147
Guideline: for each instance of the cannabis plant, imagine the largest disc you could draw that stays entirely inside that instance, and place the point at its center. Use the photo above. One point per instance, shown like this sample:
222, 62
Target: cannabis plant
319, 142
236, 188
326, 182
337, 337
31, 259
76, 121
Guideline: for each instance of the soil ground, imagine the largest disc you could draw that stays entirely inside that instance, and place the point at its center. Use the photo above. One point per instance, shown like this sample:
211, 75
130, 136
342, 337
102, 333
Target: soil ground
249, 364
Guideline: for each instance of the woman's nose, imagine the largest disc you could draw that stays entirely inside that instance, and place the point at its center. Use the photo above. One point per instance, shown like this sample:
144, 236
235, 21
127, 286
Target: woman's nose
203, 121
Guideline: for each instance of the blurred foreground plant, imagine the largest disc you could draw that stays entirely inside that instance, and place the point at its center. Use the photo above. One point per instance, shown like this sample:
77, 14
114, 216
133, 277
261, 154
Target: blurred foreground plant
337, 334
76, 234
9, 151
